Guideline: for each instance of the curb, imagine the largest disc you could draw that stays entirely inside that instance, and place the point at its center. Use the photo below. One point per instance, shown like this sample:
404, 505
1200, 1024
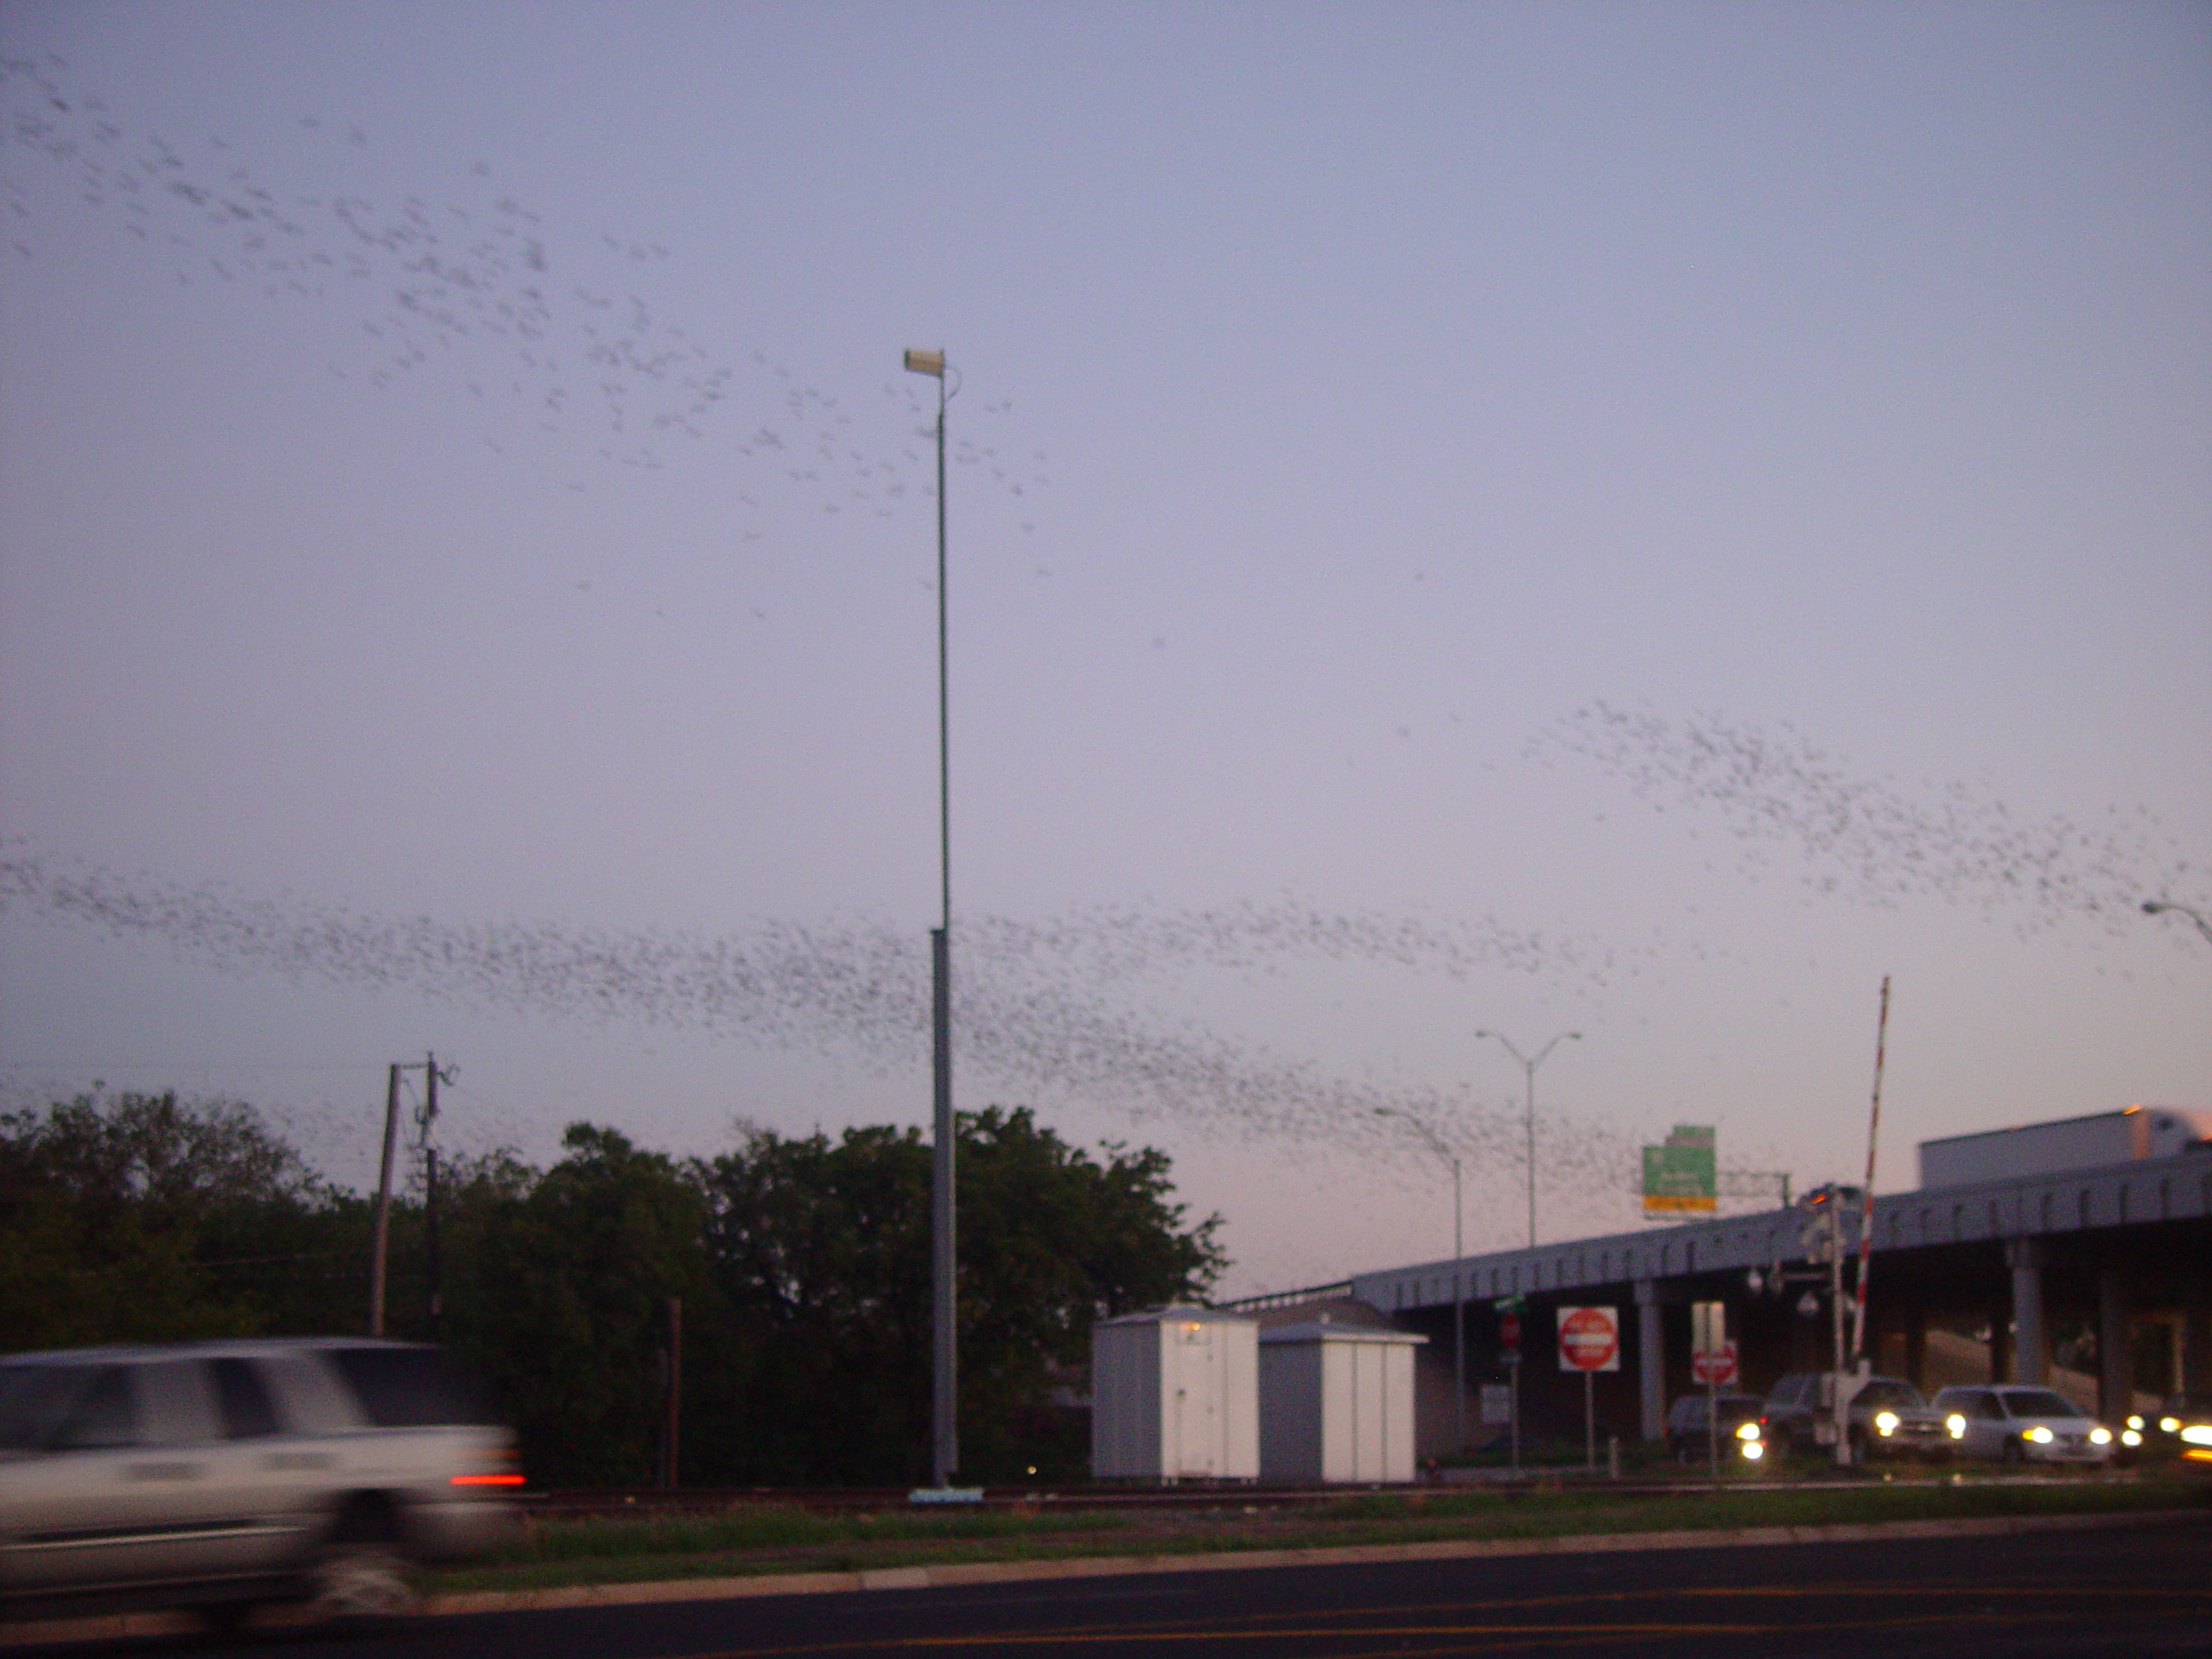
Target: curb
116, 1626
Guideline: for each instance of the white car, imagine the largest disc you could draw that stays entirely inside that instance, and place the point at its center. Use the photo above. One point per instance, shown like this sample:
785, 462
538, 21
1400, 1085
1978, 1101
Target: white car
226, 1475
2009, 1423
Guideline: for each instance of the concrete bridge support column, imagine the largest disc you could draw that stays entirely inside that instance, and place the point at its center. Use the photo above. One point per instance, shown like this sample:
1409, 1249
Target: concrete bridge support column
2030, 1346
1651, 1359
2115, 1351
2196, 1349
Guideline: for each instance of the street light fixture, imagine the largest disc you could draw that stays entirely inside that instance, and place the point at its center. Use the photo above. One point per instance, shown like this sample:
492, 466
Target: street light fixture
945, 1358
1459, 1279
2160, 907
1530, 1066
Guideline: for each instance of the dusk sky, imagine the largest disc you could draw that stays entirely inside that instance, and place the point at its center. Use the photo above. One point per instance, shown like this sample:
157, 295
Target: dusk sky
1635, 520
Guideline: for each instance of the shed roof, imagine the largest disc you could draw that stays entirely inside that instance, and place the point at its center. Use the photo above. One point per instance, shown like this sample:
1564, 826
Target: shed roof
1177, 1313
1324, 1331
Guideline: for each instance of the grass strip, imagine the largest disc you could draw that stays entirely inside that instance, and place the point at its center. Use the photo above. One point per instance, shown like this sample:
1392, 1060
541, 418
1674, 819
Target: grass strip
765, 1539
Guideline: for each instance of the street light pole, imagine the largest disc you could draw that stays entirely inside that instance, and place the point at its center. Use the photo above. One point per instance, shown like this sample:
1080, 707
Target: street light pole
1459, 1279
1530, 1066
2160, 907
944, 1354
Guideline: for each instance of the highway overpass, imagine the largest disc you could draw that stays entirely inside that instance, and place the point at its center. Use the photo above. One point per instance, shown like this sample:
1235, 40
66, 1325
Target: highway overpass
2099, 1279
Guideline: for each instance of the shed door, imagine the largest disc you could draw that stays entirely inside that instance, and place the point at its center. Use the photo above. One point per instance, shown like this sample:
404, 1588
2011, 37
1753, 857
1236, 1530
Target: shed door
1199, 1400
1370, 1406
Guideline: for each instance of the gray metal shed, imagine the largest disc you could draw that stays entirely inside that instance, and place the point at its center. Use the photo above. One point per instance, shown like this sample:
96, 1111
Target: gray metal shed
1336, 1404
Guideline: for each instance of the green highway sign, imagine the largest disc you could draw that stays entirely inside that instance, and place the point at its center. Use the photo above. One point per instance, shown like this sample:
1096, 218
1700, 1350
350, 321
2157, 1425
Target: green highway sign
1682, 1177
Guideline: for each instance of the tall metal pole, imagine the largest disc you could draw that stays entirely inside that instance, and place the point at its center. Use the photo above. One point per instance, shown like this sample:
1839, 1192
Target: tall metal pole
1458, 1319
1458, 1278
378, 1248
944, 1397
1530, 1067
1842, 1448
1531, 1097
944, 1305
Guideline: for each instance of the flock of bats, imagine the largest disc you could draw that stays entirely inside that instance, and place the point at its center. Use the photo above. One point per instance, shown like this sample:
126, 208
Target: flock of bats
556, 330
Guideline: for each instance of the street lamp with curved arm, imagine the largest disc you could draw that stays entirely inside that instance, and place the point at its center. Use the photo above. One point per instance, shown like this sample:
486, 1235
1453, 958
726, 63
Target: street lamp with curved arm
2160, 907
1530, 1066
1458, 1280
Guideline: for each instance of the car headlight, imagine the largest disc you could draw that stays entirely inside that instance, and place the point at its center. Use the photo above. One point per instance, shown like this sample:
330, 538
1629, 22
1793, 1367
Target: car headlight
2100, 1436
2171, 1425
2039, 1434
1886, 1421
1747, 1432
1957, 1425
1754, 1450
2135, 1423
2131, 1437
2198, 1434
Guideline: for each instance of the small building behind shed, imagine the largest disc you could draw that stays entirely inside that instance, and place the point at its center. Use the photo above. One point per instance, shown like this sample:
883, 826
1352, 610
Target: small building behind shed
1175, 1395
1336, 1404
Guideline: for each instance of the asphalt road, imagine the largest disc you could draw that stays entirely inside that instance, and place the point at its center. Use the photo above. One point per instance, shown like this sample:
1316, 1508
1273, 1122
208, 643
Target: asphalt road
2136, 1591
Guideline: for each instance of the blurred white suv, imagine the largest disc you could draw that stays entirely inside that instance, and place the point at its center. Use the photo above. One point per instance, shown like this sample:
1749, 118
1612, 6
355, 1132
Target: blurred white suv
225, 1475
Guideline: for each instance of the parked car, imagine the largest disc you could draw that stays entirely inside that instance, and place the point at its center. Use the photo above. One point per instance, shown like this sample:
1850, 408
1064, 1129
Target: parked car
226, 1475
2016, 1424
1687, 1437
1886, 1418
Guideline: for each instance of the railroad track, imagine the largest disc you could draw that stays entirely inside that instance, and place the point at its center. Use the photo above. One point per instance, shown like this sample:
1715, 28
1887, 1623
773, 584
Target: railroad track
720, 1500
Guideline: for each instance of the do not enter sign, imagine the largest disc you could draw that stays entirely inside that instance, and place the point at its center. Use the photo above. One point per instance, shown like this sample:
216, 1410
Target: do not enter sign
1589, 1339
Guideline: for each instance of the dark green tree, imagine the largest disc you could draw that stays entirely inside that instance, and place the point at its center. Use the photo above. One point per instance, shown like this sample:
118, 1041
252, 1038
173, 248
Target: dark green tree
821, 1251
144, 1218
557, 1292
803, 1265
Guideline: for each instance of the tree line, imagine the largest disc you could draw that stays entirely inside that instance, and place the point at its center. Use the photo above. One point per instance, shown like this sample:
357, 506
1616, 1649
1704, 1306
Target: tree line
802, 1265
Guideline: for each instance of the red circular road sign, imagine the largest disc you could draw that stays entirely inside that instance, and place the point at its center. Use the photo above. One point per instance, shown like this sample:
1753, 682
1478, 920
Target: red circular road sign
1589, 1338
1716, 1366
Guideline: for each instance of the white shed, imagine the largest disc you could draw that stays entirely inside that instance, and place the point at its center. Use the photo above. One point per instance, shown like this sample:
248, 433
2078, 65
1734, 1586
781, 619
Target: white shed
1336, 1404
1175, 1395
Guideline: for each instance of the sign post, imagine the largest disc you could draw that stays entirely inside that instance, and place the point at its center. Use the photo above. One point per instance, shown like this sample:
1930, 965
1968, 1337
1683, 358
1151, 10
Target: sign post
1709, 1352
1509, 1339
1589, 1342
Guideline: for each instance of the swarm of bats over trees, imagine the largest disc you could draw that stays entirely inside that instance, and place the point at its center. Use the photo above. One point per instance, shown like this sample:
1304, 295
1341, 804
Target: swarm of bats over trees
556, 333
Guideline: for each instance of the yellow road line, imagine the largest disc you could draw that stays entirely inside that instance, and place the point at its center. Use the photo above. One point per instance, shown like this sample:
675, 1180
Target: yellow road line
1515, 1632
1638, 1630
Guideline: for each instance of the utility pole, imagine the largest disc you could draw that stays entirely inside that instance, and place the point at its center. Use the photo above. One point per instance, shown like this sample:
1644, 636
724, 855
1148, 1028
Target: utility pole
377, 1249
430, 1188
673, 1404
380, 1242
